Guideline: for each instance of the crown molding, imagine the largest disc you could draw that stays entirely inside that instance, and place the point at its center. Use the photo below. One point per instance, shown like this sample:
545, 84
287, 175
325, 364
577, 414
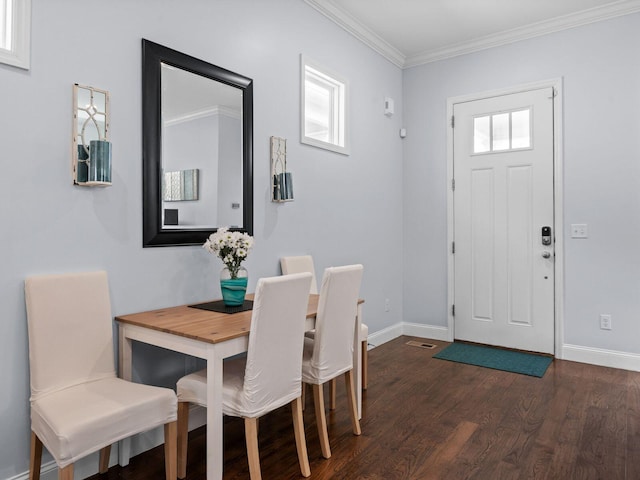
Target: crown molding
368, 37
358, 30
537, 29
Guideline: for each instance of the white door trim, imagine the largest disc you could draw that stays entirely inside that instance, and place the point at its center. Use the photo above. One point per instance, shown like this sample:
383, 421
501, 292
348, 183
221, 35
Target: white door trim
558, 194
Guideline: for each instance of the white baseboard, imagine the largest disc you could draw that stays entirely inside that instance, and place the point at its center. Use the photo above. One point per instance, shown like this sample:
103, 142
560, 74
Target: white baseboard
49, 471
425, 331
601, 357
411, 329
385, 335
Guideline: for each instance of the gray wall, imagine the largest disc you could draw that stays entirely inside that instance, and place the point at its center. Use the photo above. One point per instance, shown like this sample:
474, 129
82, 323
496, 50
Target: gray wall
188, 145
346, 208
601, 77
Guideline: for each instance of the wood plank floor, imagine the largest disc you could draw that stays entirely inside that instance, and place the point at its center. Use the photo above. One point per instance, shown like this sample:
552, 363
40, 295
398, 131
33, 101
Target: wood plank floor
425, 418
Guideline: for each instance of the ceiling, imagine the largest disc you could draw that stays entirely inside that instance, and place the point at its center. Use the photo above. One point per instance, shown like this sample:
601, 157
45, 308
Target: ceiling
414, 32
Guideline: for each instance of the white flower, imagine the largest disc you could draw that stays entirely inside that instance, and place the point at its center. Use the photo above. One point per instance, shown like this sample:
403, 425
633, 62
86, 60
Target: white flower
231, 247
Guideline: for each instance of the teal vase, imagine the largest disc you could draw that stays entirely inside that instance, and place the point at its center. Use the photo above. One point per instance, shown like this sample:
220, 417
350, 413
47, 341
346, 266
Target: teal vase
233, 289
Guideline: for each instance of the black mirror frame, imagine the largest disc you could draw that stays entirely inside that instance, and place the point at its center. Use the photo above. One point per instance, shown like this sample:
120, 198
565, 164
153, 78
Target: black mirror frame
153, 54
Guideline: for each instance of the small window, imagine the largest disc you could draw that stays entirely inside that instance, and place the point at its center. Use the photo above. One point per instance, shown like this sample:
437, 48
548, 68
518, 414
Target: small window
15, 25
502, 132
324, 108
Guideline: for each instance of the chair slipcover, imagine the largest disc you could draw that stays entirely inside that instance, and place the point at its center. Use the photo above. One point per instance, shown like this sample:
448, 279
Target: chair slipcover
78, 405
330, 353
300, 264
270, 374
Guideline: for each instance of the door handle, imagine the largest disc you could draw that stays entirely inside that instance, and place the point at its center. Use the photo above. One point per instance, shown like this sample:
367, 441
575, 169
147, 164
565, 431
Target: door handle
546, 254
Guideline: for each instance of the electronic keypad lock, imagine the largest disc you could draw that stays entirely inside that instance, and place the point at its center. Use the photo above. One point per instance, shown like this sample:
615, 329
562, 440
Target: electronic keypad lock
546, 235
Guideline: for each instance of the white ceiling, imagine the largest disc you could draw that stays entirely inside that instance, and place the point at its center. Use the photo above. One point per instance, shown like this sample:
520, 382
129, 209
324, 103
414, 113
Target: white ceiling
414, 32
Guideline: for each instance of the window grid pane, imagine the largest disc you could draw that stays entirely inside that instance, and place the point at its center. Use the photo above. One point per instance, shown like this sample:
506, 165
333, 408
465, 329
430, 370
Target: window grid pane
5, 24
318, 106
482, 134
521, 132
501, 132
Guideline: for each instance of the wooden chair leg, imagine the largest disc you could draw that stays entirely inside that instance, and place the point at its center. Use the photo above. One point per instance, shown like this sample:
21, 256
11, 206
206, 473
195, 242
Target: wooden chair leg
365, 365
253, 455
171, 450
321, 420
35, 462
183, 437
304, 395
351, 397
301, 442
66, 473
332, 394
103, 464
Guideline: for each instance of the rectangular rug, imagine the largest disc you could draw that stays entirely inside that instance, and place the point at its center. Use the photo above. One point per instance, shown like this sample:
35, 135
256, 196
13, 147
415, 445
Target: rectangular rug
496, 358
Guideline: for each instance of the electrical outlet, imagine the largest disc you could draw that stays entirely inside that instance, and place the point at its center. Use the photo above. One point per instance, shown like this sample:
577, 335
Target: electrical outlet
605, 321
387, 304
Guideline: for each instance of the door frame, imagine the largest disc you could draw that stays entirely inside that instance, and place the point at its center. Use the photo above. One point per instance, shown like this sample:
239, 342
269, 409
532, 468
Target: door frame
558, 197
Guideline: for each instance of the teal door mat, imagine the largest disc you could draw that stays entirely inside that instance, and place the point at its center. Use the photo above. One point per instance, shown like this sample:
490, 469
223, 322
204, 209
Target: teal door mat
496, 358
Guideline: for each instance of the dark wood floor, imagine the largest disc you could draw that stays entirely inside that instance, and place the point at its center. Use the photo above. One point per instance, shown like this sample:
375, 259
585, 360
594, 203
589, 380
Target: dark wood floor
425, 418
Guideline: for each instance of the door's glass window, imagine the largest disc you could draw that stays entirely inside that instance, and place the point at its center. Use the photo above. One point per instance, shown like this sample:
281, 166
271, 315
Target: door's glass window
501, 132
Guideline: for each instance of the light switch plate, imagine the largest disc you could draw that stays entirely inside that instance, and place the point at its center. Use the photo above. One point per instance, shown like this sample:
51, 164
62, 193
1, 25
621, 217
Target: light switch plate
579, 230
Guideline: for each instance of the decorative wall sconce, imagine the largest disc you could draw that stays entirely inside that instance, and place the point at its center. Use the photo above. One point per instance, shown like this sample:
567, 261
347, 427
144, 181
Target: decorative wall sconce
282, 180
91, 149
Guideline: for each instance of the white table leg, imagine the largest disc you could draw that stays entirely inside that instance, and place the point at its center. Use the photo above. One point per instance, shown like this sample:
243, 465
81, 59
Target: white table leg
215, 439
125, 370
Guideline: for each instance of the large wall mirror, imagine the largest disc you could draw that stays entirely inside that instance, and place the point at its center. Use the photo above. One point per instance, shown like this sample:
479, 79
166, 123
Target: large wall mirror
197, 136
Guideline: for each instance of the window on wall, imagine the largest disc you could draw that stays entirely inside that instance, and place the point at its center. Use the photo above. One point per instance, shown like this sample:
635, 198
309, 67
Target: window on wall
15, 25
5, 24
501, 132
324, 108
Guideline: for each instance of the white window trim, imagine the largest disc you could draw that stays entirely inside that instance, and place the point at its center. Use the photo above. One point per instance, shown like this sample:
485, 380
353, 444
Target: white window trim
346, 149
19, 55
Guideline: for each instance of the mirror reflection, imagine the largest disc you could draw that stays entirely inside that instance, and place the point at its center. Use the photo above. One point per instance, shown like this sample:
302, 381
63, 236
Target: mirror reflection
202, 131
181, 186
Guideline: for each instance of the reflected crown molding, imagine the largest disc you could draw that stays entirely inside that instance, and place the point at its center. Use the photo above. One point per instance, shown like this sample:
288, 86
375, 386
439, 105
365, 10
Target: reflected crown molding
206, 112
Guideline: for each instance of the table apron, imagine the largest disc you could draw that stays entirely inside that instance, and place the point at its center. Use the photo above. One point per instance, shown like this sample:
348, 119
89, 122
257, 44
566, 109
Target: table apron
188, 346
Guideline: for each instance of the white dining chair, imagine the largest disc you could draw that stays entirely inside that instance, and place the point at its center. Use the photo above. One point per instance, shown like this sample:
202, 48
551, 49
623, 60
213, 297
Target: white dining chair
329, 354
304, 263
78, 405
300, 264
268, 377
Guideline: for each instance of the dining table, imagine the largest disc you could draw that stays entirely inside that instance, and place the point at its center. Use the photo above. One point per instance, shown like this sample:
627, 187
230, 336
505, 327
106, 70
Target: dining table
212, 336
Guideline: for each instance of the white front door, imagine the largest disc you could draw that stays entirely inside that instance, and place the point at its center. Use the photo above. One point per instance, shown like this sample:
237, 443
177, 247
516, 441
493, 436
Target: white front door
503, 221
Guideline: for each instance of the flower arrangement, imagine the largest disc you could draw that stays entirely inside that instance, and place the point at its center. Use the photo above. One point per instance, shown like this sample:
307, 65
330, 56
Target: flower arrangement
231, 247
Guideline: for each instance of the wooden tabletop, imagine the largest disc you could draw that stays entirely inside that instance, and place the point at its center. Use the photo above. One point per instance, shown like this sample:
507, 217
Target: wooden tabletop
203, 325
